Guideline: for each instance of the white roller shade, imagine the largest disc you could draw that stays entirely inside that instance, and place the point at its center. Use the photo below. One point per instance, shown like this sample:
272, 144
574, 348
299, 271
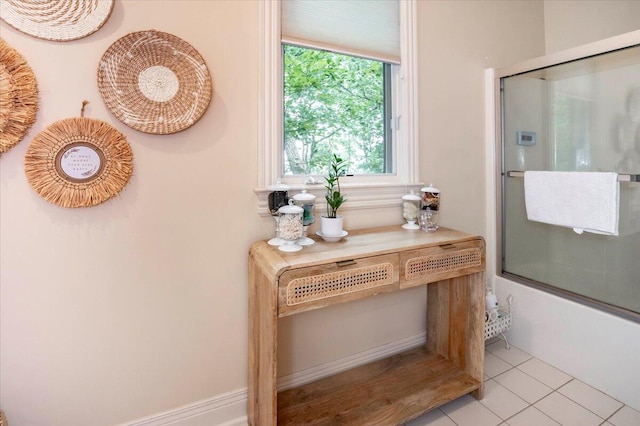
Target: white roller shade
366, 28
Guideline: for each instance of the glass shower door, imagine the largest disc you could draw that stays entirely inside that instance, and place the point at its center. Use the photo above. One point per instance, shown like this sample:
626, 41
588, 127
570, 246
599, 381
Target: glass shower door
582, 115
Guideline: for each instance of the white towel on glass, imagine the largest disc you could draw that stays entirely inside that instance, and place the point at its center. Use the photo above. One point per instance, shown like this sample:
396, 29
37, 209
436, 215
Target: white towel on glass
584, 201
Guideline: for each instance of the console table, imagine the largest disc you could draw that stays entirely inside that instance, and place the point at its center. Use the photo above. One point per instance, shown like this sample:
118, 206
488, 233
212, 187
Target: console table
369, 262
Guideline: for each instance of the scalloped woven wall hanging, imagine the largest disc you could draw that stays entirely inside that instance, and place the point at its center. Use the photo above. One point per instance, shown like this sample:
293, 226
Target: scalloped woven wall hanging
56, 20
78, 162
18, 97
154, 82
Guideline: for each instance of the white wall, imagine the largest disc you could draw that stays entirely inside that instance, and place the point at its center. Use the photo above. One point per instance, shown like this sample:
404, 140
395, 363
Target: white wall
598, 348
139, 305
570, 23
458, 40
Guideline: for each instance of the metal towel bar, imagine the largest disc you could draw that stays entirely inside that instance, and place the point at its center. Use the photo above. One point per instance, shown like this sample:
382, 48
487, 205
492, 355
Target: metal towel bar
621, 178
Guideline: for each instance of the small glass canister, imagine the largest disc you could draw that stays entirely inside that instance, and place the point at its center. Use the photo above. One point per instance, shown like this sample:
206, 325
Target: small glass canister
428, 220
306, 201
290, 226
430, 207
430, 198
410, 210
278, 197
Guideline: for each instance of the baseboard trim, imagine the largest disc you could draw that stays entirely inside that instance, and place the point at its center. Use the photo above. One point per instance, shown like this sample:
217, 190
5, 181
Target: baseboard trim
230, 409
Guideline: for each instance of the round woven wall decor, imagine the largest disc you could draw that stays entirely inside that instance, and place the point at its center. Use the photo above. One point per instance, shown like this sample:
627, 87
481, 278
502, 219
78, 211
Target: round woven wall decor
56, 20
18, 97
154, 82
78, 162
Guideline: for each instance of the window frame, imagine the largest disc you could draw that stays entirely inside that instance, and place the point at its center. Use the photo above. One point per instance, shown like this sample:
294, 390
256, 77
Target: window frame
363, 192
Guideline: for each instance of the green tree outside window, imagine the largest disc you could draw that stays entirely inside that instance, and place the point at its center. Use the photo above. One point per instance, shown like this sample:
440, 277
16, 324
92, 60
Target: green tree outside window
333, 104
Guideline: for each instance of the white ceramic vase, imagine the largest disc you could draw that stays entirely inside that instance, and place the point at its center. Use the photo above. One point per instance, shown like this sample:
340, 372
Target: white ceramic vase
331, 226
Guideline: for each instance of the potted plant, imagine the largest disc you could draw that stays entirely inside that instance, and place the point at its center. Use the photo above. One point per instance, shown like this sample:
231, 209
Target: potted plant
331, 223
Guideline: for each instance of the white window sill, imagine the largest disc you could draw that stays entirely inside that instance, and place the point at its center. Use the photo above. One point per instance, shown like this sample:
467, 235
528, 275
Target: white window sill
359, 196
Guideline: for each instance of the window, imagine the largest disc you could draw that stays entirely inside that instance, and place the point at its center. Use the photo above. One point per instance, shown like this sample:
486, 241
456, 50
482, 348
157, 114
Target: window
381, 145
335, 103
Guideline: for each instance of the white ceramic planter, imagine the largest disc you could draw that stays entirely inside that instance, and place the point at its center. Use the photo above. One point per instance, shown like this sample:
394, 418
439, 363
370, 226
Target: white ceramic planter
331, 227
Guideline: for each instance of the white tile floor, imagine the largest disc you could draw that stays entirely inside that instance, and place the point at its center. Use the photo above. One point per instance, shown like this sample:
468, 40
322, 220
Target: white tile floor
521, 390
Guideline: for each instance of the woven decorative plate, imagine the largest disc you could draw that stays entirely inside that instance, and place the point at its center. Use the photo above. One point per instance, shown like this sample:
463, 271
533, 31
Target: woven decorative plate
78, 162
57, 20
18, 97
154, 82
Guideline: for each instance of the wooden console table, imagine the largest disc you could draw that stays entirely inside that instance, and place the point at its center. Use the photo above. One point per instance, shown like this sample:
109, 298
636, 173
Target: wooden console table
369, 262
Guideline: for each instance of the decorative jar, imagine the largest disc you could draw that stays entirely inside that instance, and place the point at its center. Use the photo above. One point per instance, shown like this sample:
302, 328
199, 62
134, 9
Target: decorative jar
290, 227
430, 198
306, 201
410, 210
278, 197
430, 206
428, 220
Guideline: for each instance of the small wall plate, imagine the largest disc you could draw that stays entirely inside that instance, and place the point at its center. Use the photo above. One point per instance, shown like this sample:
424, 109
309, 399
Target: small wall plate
526, 138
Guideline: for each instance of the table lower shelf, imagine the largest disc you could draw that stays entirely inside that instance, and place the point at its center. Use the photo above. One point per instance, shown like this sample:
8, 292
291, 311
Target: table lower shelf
385, 392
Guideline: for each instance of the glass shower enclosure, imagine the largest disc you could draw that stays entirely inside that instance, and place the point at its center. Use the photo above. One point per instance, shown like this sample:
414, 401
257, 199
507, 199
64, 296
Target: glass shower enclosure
580, 114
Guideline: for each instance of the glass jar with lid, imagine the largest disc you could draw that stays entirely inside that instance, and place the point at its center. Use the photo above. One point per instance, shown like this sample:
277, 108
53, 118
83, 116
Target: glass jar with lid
306, 201
430, 207
430, 198
290, 226
410, 210
278, 197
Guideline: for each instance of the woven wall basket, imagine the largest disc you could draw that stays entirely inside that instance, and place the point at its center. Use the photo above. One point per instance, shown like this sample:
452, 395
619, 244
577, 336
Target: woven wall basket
154, 82
18, 97
57, 20
78, 162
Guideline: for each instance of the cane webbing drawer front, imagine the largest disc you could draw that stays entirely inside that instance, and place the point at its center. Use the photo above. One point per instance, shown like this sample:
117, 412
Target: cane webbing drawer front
443, 262
439, 262
317, 287
309, 287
